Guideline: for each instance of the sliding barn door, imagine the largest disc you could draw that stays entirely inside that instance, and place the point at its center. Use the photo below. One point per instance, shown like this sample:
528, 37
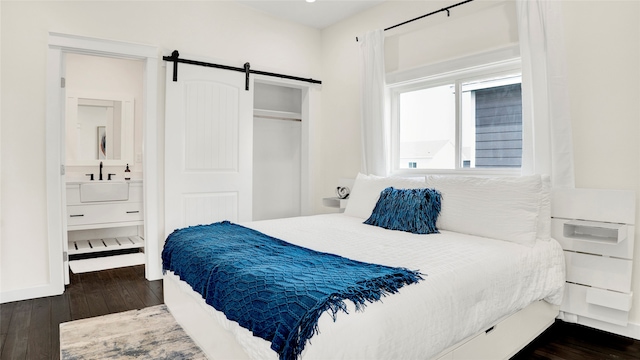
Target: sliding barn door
208, 147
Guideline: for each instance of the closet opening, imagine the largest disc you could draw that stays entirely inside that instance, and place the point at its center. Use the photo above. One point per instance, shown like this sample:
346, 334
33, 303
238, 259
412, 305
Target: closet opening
277, 151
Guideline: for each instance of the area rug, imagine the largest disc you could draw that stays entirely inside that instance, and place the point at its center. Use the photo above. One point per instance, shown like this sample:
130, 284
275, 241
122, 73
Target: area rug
149, 333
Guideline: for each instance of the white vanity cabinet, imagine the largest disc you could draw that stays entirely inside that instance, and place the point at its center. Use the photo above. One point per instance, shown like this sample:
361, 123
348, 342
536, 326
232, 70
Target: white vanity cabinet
102, 214
98, 226
596, 230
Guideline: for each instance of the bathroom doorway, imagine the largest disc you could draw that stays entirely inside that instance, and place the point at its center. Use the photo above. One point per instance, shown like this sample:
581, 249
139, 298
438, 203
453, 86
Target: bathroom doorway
103, 149
68, 49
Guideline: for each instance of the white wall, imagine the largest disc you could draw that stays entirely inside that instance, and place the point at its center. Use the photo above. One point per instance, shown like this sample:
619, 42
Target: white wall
603, 59
219, 30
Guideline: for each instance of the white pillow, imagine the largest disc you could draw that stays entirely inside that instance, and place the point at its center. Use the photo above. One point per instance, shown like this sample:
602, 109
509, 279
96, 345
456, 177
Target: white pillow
367, 188
504, 208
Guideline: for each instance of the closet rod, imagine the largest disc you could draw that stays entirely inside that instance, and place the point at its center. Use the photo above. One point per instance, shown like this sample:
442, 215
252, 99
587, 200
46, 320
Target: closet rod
246, 69
276, 118
425, 15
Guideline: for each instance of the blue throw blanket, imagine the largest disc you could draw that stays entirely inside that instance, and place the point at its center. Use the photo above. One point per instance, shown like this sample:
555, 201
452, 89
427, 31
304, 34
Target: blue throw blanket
275, 289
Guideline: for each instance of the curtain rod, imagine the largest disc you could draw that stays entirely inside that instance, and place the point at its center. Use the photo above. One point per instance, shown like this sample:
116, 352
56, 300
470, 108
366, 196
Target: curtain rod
246, 69
429, 14
425, 15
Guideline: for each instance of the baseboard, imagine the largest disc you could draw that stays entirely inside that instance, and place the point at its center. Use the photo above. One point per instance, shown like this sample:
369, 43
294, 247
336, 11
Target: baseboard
632, 330
30, 293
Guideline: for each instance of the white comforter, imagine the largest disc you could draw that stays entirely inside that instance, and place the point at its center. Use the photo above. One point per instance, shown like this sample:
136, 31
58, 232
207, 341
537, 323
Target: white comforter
470, 283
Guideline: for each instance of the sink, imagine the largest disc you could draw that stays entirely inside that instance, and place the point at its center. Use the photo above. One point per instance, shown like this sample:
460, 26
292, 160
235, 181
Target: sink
104, 191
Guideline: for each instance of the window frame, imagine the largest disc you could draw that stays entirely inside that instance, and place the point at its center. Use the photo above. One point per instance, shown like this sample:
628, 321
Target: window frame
456, 77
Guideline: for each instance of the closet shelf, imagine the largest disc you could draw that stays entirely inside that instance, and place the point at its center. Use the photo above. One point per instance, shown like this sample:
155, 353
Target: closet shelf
276, 114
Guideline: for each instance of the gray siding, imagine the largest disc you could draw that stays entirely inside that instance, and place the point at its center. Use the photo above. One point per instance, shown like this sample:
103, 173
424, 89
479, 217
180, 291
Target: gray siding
499, 126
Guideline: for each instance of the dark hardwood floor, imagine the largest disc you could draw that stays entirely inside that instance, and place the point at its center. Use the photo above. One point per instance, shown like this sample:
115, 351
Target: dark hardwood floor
571, 341
29, 329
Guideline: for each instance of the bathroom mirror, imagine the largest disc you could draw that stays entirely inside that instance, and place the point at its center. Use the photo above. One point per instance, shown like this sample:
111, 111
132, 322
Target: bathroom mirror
99, 128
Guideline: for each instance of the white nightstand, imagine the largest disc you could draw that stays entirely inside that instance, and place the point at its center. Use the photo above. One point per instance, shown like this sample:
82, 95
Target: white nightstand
335, 202
596, 231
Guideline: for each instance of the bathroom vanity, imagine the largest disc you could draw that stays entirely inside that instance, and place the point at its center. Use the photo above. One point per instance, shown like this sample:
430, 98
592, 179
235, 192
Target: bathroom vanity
105, 219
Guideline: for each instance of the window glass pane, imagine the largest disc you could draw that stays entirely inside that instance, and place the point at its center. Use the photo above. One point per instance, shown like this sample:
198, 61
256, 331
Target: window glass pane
492, 123
427, 128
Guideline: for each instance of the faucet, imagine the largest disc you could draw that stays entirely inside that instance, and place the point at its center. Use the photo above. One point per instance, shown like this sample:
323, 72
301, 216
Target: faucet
100, 178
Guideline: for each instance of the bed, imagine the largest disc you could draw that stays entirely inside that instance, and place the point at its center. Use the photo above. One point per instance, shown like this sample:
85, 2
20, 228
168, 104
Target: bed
493, 278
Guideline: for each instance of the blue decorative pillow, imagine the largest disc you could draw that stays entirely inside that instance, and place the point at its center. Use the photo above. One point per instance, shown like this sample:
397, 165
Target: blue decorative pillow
411, 210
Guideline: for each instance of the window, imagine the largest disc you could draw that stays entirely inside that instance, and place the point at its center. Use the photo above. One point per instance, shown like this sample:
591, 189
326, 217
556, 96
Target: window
467, 120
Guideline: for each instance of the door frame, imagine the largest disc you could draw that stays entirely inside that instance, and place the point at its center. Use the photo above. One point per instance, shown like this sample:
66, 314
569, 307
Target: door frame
58, 45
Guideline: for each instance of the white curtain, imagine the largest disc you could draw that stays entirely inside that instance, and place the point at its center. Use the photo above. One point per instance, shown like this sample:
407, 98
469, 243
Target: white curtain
374, 139
547, 140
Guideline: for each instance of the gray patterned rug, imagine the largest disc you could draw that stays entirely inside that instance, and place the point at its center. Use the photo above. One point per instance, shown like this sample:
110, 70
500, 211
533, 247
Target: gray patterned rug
149, 333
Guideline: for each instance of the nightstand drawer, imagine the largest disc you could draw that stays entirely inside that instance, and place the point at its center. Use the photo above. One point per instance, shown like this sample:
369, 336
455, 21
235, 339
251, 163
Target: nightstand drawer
624, 249
603, 305
598, 271
610, 299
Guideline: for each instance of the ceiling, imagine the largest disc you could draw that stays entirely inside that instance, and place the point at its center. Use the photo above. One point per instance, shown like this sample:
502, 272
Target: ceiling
319, 14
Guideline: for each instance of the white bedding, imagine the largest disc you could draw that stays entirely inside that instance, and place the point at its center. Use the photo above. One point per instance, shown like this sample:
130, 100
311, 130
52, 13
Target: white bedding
470, 283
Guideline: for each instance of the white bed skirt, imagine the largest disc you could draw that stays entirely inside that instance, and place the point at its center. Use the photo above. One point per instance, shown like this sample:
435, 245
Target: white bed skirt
217, 337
